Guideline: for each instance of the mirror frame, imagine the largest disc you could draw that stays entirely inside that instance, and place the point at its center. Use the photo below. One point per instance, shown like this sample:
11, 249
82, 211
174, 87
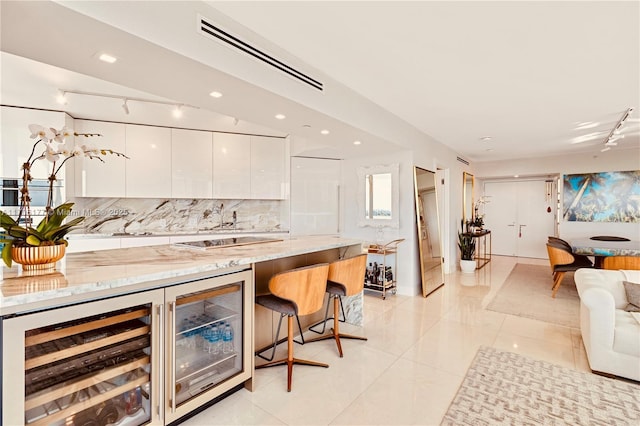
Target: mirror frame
394, 222
426, 290
467, 198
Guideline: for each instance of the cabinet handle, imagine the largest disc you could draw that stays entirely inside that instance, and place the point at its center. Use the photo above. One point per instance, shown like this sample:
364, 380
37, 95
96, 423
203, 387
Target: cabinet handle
160, 366
172, 355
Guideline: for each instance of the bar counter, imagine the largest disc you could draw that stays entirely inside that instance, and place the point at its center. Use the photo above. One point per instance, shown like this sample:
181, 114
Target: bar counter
81, 277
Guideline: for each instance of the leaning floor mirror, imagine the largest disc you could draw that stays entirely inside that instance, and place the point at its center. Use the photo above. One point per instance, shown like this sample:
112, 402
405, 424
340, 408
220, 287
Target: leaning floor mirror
429, 246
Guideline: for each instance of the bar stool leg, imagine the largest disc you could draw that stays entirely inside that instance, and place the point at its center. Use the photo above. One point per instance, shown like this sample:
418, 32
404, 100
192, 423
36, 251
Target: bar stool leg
335, 331
290, 360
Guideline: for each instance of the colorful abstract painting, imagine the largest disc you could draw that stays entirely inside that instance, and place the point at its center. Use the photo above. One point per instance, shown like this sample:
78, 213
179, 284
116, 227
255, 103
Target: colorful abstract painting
602, 197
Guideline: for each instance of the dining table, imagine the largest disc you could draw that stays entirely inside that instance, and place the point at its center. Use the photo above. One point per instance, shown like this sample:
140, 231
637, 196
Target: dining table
602, 248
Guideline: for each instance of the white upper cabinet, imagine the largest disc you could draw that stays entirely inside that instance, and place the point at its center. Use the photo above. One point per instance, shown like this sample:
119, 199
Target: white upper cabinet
267, 168
15, 145
191, 164
93, 178
149, 165
231, 166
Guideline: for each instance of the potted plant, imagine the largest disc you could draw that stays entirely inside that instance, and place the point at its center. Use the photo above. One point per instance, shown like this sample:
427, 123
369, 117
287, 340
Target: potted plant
41, 246
467, 245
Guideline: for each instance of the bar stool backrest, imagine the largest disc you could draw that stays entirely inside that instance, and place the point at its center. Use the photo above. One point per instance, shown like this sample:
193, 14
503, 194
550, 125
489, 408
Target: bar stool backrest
350, 273
305, 287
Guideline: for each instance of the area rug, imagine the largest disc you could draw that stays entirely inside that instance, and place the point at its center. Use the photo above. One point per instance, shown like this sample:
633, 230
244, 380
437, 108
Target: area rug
527, 293
504, 388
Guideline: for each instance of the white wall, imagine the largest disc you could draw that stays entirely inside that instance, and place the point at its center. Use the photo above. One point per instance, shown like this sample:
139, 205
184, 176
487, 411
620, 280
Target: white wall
618, 159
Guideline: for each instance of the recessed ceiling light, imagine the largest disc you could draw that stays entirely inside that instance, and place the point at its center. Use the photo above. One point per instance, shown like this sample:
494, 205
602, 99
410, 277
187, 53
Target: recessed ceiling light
107, 58
516, 176
281, 116
177, 111
308, 126
215, 94
485, 138
357, 142
62, 98
324, 131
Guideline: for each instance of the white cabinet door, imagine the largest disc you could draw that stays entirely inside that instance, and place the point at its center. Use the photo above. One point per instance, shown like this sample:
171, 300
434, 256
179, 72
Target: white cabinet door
231, 166
267, 168
191, 164
15, 145
315, 205
149, 164
93, 178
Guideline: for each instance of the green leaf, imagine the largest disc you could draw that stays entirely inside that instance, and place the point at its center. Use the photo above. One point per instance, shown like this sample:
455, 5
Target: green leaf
6, 220
61, 231
32, 240
6, 253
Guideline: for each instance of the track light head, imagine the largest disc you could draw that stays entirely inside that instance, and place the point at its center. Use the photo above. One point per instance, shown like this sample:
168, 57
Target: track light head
125, 107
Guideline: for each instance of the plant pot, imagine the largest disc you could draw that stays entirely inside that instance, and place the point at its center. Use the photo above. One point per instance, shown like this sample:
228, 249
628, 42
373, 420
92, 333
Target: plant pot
468, 266
40, 258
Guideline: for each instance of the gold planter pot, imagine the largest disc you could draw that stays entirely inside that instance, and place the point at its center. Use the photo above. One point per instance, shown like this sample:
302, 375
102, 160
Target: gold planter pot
38, 258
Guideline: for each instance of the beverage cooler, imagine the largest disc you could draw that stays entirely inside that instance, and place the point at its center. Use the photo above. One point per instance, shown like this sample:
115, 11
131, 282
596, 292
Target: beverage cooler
144, 358
208, 345
84, 370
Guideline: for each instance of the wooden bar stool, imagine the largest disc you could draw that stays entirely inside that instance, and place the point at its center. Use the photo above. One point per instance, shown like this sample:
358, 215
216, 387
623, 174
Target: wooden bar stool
299, 291
346, 278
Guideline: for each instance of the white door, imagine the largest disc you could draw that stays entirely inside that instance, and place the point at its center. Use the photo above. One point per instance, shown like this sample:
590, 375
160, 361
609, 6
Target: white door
518, 217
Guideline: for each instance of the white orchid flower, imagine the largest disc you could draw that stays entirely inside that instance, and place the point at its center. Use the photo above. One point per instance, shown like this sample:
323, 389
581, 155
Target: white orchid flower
52, 152
77, 151
37, 131
60, 135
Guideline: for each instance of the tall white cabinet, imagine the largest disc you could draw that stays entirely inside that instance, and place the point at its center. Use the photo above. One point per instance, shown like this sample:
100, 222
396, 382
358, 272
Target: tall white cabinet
191, 164
231, 166
149, 163
267, 168
93, 178
16, 145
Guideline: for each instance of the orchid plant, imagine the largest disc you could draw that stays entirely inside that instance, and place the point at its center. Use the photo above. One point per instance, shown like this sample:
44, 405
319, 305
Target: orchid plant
50, 145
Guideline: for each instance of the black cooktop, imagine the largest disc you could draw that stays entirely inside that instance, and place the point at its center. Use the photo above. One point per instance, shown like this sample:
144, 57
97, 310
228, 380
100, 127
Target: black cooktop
227, 242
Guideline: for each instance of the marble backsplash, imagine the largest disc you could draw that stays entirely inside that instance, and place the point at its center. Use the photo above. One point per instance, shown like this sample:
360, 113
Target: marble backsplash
142, 216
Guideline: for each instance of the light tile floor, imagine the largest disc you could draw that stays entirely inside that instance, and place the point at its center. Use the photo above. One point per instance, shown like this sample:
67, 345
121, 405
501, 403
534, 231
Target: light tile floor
409, 370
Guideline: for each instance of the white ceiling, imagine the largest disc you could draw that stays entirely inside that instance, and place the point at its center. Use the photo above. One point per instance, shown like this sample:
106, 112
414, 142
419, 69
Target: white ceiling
527, 74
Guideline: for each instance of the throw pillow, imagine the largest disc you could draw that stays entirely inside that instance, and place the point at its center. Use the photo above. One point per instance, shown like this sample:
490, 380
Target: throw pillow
633, 296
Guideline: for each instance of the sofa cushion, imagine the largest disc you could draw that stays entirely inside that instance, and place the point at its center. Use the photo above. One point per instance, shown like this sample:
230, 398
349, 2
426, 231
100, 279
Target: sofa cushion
633, 296
626, 334
608, 280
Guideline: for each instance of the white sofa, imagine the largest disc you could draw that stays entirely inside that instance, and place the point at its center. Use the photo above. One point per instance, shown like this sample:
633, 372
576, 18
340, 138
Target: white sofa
611, 335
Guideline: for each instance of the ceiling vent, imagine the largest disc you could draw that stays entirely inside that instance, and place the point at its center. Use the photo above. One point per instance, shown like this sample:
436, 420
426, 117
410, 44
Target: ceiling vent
462, 160
210, 30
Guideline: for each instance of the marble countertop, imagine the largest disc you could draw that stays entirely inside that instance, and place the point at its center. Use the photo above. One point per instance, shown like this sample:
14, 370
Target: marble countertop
96, 274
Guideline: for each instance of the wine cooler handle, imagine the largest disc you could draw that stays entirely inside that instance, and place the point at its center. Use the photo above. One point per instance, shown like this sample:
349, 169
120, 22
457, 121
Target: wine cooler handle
172, 356
160, 366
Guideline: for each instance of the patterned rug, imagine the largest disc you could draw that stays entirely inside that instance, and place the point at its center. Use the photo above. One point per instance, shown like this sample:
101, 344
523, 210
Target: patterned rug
504, 388
527, 293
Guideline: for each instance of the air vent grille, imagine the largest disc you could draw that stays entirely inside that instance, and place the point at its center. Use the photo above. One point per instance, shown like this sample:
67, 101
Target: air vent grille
208, 29
462, 160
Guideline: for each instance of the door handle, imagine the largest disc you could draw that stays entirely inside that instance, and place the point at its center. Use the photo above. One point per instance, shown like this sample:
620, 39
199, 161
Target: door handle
520, 231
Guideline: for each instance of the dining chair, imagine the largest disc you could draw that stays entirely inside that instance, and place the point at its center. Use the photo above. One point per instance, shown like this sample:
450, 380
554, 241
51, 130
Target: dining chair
295, 292
346, 278
562, 260
567, 246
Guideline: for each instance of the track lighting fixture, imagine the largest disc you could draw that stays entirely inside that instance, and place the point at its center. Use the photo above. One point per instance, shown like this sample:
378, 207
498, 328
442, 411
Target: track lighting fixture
177, 112
614, 134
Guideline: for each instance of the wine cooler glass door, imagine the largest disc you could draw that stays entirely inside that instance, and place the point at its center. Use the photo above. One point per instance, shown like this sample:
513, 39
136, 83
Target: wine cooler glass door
208, 339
